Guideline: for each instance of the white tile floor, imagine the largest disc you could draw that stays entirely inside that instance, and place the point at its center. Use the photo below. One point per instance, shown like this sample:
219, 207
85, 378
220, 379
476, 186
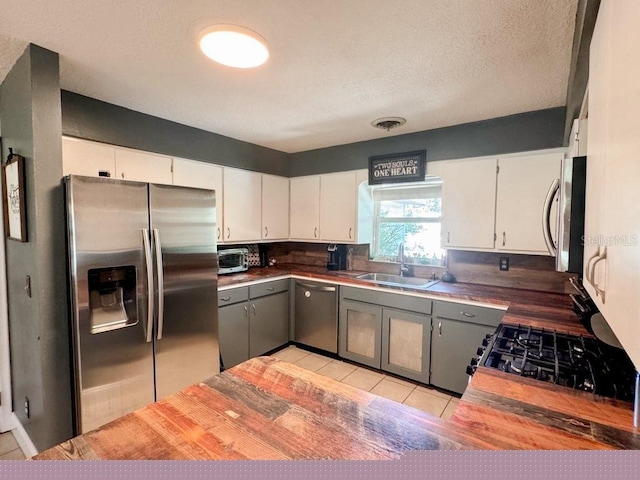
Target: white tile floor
430, 400
9, 448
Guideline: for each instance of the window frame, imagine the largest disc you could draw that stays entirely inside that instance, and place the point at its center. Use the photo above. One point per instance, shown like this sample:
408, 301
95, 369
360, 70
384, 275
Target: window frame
430, 182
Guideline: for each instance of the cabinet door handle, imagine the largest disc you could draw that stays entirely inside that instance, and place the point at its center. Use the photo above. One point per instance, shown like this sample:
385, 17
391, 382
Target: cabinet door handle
218, 233
228, 232
253, 309
350, 229
266, 232
315, 232
588, 270
467, 314
225, 299
601, 257
448, 236
504, 238
439, 329
246, 311
270, 289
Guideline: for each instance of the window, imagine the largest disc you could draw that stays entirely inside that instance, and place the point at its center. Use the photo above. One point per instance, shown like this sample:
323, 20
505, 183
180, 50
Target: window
409, 215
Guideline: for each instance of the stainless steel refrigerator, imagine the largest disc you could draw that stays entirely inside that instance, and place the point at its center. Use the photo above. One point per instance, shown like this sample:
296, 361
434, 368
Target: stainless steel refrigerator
143, 287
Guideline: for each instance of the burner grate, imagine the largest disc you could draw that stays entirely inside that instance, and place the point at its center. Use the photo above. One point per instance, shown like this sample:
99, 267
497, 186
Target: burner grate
572, 361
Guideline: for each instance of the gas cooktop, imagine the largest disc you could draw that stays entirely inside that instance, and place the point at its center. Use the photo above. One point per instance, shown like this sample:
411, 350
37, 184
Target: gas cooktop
573, 361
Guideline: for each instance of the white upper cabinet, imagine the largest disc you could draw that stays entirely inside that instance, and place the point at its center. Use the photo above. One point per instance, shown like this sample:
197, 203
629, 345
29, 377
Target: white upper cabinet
612, 221
91, 159
524, 183
334, 208
242, 192
191, 173
305, 208
468, 205
338, 207
275, 207
143, 167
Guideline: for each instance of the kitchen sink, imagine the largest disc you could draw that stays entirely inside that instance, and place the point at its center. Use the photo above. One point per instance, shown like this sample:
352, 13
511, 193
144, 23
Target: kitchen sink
396, 280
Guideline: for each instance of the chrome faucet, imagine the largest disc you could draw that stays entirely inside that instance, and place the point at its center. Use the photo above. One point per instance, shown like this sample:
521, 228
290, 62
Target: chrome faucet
405, 270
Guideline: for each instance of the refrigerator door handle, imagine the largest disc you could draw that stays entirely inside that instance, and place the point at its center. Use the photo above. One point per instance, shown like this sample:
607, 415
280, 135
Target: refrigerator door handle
159, 268
148, 263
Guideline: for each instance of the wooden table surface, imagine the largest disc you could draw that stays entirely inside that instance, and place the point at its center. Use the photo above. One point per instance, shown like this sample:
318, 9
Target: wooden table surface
267, 409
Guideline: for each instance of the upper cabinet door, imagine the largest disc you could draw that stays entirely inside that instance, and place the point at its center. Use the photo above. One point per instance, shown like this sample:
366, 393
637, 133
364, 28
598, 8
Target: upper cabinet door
191, 173
143, 167
612, 223
468, 203
305, 208
91, 159
275, 207
242, 192
338, 210
523, 185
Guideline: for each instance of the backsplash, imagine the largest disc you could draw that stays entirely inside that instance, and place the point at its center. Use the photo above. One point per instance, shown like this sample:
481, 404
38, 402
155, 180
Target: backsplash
534, 272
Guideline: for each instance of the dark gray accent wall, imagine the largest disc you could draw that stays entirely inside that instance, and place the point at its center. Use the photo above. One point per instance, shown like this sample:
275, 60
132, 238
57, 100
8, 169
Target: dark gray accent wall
93, 119
515, 133
38, 325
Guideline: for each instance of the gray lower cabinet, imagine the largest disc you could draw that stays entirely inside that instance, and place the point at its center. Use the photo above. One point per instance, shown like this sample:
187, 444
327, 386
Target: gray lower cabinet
268, 323
252, 320
360, 332
386, 331
458, 331
233, 326
406, 342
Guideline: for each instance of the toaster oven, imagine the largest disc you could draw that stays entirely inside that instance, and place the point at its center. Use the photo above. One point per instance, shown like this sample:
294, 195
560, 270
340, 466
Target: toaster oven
232, 260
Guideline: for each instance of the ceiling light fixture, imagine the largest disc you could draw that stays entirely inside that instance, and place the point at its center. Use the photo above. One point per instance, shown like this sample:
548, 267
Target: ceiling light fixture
387, 123
234, 46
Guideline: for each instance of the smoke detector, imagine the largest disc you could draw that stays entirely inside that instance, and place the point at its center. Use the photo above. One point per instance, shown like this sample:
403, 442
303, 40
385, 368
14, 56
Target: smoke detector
387, 123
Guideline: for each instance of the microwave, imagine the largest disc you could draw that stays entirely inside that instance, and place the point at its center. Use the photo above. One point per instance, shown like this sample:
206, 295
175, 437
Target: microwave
232, 260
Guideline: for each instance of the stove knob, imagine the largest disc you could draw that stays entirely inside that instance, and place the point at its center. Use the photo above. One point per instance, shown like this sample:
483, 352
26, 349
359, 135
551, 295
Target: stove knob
480, 351
474, 362
470, 370
488, 335
485, 342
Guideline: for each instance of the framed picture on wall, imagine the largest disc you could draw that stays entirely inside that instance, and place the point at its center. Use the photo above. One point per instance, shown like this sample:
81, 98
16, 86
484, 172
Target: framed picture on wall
15, 223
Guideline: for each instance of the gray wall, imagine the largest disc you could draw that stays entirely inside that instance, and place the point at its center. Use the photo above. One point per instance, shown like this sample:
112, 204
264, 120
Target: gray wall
92, 119
516, 133
38, 325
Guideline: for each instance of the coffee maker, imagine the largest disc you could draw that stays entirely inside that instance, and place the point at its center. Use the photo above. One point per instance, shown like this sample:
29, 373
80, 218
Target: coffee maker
337, 257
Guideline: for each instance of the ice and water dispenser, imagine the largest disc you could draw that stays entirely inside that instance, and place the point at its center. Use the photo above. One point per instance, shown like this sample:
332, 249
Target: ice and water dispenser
112, 298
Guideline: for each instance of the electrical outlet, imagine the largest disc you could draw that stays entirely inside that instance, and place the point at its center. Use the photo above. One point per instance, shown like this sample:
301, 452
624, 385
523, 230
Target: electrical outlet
27, 409
504, 264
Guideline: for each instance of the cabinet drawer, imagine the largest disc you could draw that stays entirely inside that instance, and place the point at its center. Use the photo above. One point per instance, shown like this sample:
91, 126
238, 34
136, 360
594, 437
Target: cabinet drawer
468, 313
235, 295
403, 302
269, 288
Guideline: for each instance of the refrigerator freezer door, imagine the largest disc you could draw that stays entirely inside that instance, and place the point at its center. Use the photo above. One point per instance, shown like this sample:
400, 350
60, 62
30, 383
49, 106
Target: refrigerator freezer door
108, 276
186, 341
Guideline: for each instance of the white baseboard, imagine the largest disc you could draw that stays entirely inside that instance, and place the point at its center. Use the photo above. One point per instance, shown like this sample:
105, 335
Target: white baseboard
27, 446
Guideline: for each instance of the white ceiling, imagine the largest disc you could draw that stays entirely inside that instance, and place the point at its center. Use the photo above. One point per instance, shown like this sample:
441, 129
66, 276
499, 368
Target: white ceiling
335, 65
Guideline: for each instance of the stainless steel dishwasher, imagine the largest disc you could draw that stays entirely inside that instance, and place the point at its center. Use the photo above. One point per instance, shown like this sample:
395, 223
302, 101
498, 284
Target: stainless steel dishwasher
316, 315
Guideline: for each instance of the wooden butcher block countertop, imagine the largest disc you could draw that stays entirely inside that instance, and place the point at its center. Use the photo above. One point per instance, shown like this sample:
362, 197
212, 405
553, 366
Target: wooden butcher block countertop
512, 412
267, 409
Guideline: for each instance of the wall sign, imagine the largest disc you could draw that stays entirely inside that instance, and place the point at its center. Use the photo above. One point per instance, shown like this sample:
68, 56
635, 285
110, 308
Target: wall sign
398, 168
15, 223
